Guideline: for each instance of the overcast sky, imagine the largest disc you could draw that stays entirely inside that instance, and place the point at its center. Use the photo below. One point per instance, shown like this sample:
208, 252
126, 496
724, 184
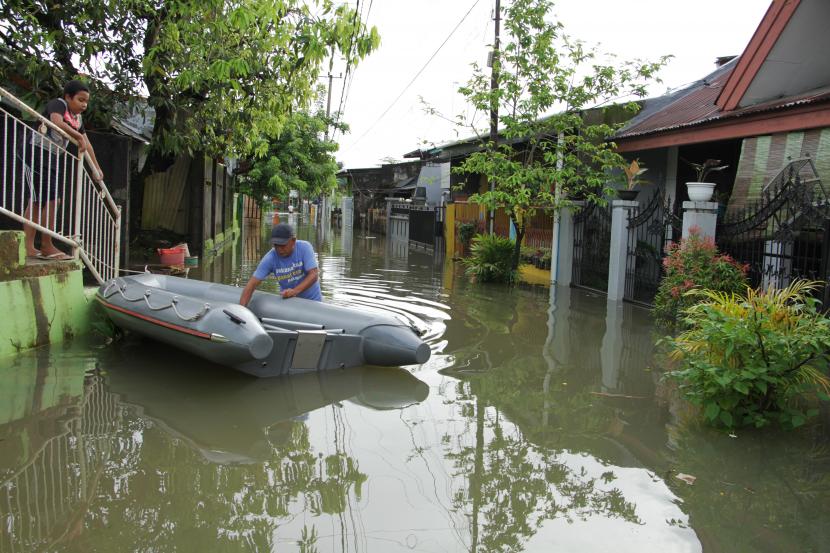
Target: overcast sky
411, 31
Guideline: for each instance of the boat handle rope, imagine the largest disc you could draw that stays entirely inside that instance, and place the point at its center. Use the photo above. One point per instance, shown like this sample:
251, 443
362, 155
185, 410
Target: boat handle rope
146, 297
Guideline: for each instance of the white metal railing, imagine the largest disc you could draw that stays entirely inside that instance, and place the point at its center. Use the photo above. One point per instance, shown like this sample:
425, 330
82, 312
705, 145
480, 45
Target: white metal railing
86, 218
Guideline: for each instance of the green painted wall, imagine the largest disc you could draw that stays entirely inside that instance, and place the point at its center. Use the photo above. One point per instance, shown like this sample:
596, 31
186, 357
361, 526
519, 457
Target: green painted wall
42, 310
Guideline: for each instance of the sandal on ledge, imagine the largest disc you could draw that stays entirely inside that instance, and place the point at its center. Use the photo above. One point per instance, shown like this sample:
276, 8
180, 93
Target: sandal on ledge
57, 256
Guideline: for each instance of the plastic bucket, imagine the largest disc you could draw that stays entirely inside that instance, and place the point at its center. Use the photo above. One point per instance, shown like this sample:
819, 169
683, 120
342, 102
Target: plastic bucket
172, 256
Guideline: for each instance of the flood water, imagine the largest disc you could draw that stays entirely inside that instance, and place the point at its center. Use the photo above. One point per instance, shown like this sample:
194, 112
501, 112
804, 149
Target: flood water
539, 425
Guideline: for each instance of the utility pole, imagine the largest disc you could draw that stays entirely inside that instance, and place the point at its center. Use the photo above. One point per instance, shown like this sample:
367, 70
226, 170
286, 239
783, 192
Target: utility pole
494, 102
328, 101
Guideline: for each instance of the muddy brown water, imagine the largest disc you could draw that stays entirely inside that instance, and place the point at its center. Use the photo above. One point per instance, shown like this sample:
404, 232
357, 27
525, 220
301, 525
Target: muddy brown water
539, 424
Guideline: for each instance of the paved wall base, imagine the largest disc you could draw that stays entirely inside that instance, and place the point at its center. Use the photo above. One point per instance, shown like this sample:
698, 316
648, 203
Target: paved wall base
42, 302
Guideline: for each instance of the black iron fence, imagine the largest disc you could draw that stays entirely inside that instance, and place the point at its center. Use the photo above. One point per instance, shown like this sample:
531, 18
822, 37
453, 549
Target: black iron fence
650, 229
592, 241
785, 234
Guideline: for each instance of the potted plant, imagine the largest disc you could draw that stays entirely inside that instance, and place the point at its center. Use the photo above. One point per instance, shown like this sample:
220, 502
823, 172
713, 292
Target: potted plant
700, 190
632, 179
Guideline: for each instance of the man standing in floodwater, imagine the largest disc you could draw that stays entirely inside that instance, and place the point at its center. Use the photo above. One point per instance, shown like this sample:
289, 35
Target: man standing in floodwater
292, 262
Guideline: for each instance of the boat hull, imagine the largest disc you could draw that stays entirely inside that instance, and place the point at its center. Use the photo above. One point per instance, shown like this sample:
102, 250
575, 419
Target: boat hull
272, 337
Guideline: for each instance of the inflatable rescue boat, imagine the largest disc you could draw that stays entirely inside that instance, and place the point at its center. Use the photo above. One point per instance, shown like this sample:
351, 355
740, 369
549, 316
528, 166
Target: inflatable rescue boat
271, 337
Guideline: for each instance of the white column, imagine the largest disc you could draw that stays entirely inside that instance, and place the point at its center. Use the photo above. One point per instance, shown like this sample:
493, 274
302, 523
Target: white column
703, 215
618, 252
562, 246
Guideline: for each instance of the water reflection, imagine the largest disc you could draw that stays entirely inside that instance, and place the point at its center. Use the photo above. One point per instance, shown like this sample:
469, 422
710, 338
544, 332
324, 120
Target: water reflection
535, 426
229, 417
132, 446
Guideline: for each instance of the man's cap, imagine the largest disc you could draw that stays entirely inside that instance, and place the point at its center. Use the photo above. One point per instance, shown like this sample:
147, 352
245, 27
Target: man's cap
281, 234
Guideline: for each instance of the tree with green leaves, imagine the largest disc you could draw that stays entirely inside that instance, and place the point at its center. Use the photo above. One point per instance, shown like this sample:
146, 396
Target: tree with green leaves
297, 160
554, 145
222, 76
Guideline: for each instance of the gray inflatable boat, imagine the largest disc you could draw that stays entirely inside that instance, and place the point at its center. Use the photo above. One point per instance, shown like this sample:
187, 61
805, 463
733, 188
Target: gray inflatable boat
271, 337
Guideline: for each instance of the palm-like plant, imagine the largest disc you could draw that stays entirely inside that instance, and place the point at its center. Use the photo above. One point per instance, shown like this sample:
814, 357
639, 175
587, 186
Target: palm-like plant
633, 172
491, 259
754, 358
703, 169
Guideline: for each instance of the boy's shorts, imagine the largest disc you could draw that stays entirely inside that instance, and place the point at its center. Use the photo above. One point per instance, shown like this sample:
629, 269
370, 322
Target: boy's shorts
45, 177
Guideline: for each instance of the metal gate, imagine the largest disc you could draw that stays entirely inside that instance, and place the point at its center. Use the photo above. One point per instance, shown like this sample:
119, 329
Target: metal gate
784, 235
422, 227
650, 228
592, 242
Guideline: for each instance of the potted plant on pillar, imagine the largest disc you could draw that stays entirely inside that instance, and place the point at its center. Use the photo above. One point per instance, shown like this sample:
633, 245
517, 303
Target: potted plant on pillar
700, 190
632, 179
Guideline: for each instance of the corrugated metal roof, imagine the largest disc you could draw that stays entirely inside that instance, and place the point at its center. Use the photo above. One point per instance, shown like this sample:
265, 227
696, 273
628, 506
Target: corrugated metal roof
696, 106
693, 105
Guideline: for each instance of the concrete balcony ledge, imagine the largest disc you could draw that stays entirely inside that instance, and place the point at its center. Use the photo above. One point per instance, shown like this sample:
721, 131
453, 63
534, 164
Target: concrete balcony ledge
45, 301
15, 265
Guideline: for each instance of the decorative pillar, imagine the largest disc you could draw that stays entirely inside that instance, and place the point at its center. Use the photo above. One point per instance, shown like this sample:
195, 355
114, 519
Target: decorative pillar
618, 252
562, 246
703, 215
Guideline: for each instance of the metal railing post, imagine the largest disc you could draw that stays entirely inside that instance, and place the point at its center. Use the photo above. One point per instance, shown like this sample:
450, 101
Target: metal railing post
79, 176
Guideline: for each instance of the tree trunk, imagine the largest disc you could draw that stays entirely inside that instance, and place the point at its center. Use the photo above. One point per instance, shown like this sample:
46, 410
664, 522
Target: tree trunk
517, 249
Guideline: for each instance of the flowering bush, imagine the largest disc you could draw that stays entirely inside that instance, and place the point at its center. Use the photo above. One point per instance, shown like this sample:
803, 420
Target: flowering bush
694, 263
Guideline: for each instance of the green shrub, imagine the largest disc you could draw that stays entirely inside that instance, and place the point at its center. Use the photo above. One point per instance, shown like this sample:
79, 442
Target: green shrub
755, 358
528, 253
491, 259
694, 263
466, 231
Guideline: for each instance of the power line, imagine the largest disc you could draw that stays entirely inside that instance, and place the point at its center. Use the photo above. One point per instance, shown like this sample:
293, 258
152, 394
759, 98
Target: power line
348, 65
347, 88
418, 74
365, 30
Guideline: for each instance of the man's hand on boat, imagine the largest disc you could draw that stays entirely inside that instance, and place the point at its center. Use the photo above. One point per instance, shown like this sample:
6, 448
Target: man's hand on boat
288, 293
248, 291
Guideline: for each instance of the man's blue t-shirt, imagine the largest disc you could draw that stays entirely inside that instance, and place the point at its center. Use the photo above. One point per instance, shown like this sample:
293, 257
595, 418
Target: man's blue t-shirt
291, 270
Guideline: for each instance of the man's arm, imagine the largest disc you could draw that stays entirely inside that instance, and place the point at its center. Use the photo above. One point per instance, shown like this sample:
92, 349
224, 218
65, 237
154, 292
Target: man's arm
309, 279
249, 291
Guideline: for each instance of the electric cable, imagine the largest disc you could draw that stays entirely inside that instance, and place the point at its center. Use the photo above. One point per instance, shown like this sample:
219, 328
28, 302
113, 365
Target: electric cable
418, 74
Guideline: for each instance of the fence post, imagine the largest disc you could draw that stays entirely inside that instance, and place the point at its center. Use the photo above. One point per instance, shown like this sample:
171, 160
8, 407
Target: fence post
618, 252
449, 230
703, 215
562, 245
76, 230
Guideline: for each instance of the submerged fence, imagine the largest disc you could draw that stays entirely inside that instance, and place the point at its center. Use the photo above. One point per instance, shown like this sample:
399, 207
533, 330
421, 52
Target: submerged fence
651, 227
591, 244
